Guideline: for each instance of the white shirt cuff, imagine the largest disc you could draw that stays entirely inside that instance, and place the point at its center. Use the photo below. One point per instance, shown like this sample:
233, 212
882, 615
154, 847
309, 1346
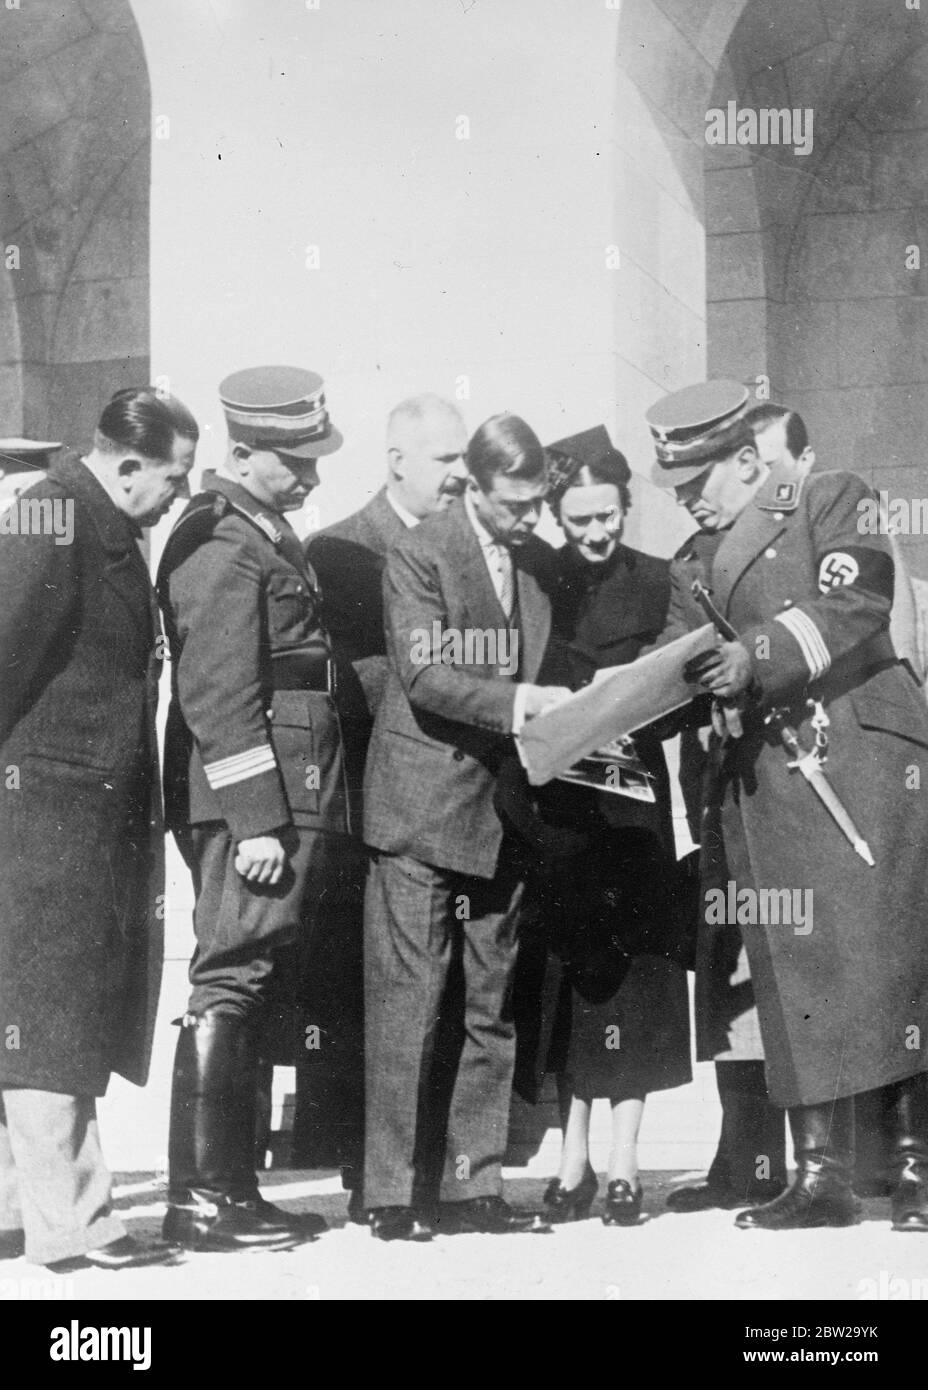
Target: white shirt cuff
518, 709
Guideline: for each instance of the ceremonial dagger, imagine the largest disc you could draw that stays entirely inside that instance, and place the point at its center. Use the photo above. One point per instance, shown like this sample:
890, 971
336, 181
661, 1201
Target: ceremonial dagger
808, 763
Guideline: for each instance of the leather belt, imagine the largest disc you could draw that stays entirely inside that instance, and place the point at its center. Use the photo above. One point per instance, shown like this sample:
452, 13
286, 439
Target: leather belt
303, 670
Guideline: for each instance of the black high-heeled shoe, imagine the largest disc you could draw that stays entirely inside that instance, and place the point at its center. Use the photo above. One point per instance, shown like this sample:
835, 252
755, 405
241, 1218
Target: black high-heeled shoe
570, 1203
623, 1206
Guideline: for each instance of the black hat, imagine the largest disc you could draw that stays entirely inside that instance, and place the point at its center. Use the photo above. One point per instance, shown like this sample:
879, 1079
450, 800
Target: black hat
694, 428
590, 448
279, 408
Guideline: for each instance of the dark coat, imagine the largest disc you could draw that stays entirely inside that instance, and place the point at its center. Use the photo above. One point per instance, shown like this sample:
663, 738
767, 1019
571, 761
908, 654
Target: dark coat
81, 868
601, 920
837, 1003
348, 559
441, 730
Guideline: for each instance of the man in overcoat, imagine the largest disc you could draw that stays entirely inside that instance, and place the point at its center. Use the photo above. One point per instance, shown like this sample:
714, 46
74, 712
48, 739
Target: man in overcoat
839, 969
81, 866
255, 788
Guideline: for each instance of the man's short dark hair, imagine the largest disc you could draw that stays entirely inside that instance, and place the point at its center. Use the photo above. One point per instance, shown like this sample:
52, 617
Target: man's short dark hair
505, 444
146, 421
769, 413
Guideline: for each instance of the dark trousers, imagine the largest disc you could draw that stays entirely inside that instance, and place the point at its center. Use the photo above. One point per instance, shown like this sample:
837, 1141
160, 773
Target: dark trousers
439, 957
241, 927
752, 1143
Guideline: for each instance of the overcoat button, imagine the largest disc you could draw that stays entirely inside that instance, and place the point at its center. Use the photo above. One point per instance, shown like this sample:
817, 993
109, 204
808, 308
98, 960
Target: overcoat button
458, 755
771, 554
778, 516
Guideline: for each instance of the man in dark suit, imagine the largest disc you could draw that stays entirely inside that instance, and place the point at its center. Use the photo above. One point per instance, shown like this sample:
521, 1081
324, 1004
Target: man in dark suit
426, 472
467, 619
81, 865
426, 444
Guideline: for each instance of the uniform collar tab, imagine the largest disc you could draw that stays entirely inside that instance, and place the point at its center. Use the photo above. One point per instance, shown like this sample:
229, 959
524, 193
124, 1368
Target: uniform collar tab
781, 491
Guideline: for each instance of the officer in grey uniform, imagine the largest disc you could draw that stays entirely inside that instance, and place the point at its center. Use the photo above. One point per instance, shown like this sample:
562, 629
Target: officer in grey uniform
255, 786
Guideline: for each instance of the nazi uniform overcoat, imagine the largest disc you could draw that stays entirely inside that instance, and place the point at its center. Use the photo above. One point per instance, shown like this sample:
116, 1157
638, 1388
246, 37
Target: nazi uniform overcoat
844, 1006
81, 841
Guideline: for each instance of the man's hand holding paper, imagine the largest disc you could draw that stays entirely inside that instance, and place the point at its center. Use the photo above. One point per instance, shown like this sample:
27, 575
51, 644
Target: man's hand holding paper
623, 699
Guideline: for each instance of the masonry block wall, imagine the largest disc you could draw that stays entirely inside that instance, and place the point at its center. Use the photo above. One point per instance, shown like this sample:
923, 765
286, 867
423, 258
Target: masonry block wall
74, 186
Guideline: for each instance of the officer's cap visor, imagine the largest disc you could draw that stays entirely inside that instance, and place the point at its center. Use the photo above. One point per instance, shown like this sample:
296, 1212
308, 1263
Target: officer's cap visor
669, 477
312, 449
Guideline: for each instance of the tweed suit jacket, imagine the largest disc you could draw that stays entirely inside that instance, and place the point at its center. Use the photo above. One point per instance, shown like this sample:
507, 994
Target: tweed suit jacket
441, 730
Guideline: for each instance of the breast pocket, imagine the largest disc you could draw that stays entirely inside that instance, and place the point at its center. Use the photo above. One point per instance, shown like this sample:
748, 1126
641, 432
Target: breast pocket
290, 607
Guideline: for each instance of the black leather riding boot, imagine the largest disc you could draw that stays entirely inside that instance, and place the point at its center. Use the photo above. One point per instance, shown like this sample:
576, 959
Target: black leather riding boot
909, 1154
820, 1194
244, 1190
205, 1148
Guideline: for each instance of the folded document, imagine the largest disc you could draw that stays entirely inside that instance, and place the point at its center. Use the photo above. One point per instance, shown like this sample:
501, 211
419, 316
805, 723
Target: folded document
619, 701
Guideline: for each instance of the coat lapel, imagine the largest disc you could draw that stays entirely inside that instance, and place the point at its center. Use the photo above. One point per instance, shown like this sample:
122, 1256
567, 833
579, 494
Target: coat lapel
124, 568
534, 622
466, 552
381, 527
275, 527
756, 528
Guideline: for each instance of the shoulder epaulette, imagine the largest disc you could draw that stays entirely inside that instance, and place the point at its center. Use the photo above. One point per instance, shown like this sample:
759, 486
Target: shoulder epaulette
263, 523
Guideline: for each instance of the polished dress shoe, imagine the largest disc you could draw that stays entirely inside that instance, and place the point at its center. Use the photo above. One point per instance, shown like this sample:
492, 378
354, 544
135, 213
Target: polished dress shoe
623, 1204
562, 1204
705, 1196
12, 1245
487, 1216
702, 1196
398, 1223
821, 1194
225, 1226
124, 1253
302, 1224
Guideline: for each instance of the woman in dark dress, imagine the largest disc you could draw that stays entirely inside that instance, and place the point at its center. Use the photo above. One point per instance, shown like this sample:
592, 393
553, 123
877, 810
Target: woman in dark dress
606, 899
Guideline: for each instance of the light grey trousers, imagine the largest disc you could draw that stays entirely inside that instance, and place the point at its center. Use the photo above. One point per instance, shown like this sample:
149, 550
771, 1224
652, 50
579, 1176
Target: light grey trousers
54, 1184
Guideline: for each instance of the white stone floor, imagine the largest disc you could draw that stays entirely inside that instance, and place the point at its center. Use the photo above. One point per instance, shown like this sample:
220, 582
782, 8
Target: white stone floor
701, 1257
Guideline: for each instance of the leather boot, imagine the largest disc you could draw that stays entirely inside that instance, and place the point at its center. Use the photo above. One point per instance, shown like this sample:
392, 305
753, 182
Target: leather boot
909, 1154
205, 1143
244, 1191
820, 1194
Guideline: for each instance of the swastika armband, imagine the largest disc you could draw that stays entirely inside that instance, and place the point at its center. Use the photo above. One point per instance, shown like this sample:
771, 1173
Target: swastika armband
856, 566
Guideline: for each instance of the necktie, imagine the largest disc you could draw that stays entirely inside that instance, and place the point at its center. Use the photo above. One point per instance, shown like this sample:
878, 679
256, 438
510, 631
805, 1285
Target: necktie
507, 587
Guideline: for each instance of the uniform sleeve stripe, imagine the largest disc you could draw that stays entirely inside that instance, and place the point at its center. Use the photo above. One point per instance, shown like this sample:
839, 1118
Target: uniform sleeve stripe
240, 766
811, 643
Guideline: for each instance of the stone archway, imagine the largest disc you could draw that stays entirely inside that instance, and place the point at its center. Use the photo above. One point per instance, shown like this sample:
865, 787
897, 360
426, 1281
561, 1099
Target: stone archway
755, 262
74, 189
